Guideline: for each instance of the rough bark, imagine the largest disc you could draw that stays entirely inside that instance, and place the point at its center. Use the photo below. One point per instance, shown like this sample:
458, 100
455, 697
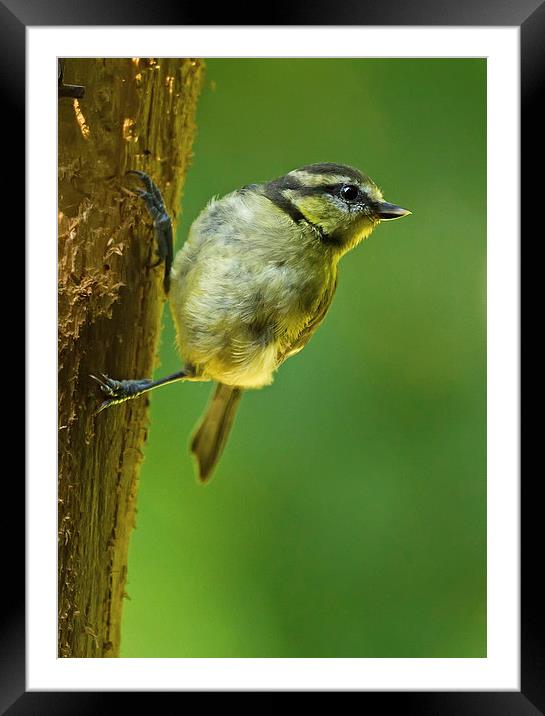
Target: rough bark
135, 114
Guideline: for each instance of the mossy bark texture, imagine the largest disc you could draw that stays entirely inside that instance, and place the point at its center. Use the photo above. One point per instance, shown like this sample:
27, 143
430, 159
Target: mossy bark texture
135, 114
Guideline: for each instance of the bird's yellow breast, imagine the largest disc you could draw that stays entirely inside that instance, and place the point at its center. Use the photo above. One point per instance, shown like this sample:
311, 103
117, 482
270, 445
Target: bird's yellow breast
244, 287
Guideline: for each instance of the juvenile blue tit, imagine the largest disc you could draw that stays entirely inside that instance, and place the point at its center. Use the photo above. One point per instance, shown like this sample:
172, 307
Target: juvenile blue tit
253, 281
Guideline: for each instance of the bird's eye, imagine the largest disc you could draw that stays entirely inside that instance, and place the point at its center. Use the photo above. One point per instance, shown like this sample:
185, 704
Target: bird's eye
349, 192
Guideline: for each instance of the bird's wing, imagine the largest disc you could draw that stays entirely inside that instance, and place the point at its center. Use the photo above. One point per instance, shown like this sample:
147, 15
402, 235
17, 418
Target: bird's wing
303, 338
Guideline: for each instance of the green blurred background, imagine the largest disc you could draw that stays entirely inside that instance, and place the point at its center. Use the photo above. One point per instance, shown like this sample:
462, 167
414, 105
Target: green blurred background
347, 517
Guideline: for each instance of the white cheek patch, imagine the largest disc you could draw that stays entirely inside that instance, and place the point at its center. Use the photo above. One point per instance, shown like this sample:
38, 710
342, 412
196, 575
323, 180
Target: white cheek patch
341, 206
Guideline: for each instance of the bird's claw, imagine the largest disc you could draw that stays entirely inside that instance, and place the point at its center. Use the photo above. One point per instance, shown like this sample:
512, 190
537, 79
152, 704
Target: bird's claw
161, 221
108, 385
118, 391
151, 195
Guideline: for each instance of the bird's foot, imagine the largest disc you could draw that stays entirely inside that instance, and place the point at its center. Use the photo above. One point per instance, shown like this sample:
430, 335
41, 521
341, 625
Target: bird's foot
161, 222
118, 391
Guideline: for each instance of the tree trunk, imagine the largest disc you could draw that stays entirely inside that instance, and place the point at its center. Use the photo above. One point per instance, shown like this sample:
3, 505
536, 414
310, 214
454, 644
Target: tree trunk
135, 114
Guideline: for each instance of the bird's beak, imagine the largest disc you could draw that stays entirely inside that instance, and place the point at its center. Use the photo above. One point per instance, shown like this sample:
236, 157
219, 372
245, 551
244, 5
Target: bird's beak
386, 211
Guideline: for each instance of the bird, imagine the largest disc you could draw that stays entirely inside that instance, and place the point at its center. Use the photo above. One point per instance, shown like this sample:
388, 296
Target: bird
253, 282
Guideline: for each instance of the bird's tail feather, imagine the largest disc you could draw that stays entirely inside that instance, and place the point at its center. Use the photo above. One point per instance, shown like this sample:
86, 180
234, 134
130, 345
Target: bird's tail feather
210, 437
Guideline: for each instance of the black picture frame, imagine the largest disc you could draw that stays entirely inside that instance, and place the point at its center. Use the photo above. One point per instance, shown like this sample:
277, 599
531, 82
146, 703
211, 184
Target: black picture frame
529, 15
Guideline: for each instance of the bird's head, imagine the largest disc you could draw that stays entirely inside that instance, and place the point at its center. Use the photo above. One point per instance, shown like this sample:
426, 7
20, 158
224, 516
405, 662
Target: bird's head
341, 202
